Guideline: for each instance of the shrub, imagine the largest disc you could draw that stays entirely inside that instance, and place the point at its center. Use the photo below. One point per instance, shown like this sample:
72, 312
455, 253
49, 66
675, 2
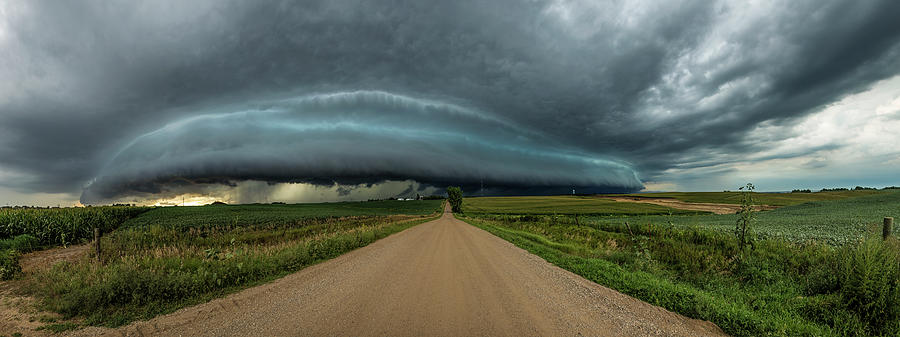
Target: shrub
9, 264
868, 277
22, 243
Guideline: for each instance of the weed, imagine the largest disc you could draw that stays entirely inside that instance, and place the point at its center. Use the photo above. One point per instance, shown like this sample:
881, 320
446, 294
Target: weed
9, 264
745, 217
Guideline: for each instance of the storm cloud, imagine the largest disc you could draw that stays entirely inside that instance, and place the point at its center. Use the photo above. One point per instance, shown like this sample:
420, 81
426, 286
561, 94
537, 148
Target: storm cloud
106, 100
349, 139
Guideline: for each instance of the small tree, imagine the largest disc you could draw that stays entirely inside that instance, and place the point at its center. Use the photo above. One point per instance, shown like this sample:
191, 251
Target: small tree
745, 216
454, 197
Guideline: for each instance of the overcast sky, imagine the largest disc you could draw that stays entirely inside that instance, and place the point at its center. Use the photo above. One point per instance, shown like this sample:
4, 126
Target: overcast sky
104, 101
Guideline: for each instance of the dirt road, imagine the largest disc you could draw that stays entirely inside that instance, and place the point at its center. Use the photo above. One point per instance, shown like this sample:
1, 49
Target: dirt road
442, 278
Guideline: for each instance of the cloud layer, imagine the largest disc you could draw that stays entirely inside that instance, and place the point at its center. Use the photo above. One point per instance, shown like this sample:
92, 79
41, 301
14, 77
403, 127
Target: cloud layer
352, 138
672, 91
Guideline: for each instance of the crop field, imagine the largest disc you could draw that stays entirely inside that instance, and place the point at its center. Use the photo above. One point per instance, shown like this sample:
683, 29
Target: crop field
583, 205
43, 227
814, 269
169, 258
761, 198
269, 215
835, 222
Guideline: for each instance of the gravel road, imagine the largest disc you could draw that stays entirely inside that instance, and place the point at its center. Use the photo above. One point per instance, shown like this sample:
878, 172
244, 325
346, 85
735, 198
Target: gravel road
441, 278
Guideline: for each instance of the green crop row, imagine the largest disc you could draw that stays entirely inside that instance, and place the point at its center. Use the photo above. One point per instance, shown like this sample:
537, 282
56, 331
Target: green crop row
835, 222
62, 226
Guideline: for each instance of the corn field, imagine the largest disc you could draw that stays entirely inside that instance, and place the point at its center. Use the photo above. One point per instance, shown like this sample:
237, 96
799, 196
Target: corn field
63, 226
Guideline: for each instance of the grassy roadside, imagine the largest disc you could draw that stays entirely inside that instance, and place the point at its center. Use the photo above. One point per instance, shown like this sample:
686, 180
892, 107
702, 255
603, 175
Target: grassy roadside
778, 288
153, 269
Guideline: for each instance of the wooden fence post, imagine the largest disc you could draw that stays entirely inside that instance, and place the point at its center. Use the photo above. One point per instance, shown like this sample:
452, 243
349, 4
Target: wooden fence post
97, 242
888, 224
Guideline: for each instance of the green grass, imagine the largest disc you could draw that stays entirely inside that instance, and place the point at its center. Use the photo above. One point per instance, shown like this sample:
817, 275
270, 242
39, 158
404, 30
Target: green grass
584, 205
778, 288
761, 198
275, 215
174, 257
815, 269
836, 222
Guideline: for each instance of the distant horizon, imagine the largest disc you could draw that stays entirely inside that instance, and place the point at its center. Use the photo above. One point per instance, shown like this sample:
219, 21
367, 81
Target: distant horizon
212, 200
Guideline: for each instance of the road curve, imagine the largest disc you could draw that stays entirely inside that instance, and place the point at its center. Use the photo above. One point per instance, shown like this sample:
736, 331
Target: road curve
441, 278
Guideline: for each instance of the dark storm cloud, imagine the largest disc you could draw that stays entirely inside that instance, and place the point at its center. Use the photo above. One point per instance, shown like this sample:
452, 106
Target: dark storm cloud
647, 86
352, 138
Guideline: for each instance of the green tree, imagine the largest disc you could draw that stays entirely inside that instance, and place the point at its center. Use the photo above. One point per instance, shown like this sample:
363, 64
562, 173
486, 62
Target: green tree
454, 197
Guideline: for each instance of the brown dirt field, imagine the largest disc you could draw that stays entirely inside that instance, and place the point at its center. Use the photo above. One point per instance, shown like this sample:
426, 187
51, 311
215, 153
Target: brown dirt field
691, 206
441, 278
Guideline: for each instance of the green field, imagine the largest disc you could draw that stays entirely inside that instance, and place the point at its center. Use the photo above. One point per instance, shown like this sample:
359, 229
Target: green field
583, 205
835, 222
59, 226
761, 198
168, 258
815, 269
276, 215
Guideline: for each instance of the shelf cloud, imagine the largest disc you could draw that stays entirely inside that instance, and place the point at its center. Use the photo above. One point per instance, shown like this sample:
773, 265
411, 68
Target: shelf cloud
352, 138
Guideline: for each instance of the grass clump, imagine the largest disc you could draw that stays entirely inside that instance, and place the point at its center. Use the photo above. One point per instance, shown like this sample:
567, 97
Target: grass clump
867, 278
9, 264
